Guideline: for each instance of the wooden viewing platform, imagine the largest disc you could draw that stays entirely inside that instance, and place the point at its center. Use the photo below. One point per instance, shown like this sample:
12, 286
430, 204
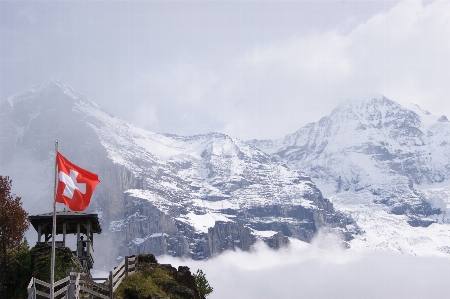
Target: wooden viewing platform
84, 225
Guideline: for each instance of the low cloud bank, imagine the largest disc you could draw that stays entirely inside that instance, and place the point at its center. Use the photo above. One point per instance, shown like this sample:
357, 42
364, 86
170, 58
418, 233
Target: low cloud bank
322, 270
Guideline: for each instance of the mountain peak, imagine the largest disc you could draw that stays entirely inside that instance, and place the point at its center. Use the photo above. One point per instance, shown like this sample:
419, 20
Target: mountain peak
365, 103
51, 85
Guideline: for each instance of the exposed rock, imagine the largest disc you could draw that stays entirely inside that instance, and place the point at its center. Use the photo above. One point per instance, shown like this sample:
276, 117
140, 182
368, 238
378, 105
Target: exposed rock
228, 236
278, 240
161, 234
443, 119
416, 221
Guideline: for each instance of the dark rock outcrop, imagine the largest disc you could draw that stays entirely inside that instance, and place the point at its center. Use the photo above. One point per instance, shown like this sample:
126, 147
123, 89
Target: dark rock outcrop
228, 236
154, 280
64, 260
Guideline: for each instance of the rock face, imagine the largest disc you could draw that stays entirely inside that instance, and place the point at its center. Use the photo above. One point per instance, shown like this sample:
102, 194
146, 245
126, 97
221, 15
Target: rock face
189, 196
188, 234
226, 236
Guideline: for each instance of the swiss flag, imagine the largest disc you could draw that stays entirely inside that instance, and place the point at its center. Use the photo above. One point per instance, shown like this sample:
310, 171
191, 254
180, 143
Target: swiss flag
75, 185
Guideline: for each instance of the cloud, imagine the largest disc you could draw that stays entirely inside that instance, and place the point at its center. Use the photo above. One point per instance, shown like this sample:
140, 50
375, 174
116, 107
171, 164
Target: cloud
145, 115
321, 271
401, 53
176, 99
276, 87
248, 69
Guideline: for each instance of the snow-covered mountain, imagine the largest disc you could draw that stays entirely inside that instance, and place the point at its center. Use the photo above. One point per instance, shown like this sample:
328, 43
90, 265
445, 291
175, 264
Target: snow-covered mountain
186, 196
381, 163
385, 169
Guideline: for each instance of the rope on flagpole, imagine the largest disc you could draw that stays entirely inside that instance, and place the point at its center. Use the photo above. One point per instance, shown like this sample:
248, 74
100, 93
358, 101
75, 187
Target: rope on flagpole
52, 270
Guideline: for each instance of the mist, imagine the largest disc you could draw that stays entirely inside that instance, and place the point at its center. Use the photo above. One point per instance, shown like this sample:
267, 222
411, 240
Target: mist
321, 270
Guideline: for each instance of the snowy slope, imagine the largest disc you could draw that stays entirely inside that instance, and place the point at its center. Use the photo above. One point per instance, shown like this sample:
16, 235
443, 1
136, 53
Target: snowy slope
377, 160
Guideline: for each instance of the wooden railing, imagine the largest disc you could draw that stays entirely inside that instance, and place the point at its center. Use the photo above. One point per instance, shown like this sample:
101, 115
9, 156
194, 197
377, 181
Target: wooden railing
33, 288
80, 282
125, 268
89, 286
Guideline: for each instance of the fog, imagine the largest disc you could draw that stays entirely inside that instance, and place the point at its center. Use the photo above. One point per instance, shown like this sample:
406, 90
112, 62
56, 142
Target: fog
323, 271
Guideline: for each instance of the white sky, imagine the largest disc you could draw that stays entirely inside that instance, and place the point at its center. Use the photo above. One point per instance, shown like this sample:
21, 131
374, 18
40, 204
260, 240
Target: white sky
251, 69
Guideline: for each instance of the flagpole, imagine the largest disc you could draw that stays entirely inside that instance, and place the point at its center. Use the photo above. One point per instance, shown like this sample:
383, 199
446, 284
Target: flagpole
52, 270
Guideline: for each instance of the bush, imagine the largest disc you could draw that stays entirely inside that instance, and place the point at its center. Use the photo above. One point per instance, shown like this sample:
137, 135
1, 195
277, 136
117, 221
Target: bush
14, 255
18, 275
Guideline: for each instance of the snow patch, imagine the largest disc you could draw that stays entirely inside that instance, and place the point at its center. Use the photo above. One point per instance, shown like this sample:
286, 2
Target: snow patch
139, 241
202, 222
265, 233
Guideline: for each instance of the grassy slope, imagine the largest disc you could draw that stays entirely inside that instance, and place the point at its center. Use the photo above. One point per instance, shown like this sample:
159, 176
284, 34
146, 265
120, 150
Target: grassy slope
153, 279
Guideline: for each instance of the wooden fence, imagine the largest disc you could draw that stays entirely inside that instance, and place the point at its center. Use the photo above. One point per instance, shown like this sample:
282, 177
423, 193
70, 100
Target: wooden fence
76, 285
36, 288
125, 268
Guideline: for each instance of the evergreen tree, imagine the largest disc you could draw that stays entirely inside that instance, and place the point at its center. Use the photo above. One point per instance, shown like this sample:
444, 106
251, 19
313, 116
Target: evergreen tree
202, 283
21, 272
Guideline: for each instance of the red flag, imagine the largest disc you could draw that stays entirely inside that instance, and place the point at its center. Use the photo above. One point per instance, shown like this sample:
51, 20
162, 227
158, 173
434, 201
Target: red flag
75, 185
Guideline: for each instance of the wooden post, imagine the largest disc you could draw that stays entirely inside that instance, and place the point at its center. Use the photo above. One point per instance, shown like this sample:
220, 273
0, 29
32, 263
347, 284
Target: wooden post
111, 285
71, 283
88, 234
64, 234
78, 239
31, 291
88, 230
126, 266
39, 232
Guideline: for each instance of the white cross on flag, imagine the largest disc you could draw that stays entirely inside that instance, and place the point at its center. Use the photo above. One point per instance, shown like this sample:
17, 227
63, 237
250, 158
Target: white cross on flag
75, 184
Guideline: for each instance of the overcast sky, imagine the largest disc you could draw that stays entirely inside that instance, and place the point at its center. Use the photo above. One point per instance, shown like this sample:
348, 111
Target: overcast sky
251, 69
